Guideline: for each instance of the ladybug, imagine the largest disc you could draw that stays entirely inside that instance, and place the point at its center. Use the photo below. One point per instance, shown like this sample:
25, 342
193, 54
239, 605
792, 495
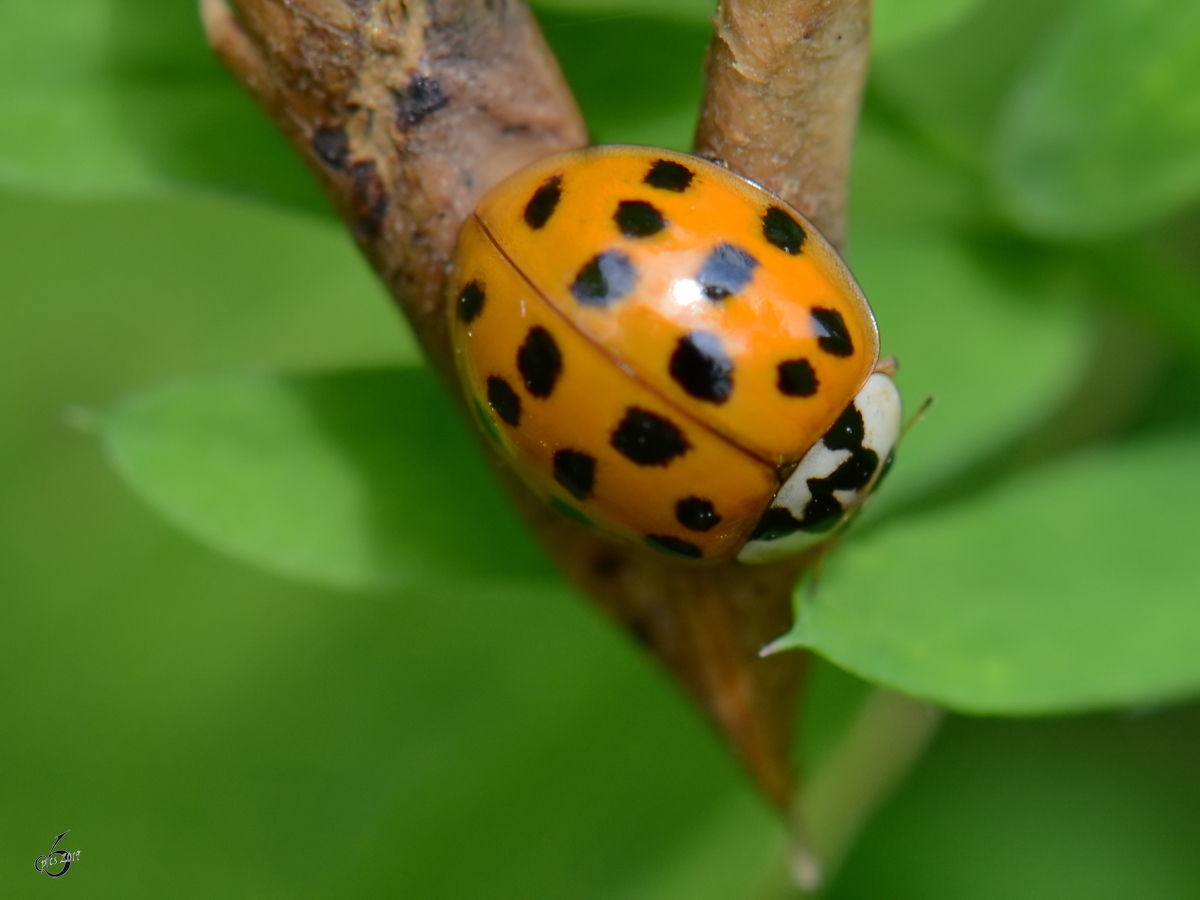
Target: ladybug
667, 352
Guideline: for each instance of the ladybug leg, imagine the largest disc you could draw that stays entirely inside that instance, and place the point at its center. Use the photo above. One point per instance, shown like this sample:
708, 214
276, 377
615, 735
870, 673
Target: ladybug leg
888, 365
834, 478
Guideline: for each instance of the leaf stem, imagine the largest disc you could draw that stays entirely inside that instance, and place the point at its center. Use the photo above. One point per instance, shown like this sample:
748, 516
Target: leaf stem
832, 807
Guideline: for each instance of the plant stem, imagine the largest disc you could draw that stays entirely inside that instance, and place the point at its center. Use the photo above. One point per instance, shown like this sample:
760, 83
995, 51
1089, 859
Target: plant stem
833, 806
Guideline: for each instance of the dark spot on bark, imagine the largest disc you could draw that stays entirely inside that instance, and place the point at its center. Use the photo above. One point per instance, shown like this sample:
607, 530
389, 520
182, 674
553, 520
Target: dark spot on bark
422, 97
370, 199
331, 146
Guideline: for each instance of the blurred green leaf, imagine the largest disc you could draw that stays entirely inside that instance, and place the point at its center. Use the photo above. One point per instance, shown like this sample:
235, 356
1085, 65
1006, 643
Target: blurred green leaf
894, 185
117, 97
1102, 132
948, 88
898, 22
363, 480
1104, 807
203, 281
1071, 587
999, 355
638, 78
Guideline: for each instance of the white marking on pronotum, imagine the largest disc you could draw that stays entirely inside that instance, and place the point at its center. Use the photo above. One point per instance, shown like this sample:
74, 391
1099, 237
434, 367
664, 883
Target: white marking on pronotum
879, 405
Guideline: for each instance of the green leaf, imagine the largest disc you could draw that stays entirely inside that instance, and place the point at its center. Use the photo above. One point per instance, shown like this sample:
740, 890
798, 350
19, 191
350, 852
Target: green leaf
638, 78
895, 185
998, 355
1103, 807
362, 480
1071, 587
1102, 132
895, 23
207, 283
120, 97
946, 91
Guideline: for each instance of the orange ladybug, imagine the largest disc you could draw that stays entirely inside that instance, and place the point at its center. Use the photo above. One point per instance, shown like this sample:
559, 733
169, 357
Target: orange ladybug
666, 351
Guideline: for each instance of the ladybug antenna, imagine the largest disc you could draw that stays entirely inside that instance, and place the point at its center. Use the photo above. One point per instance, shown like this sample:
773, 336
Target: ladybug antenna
917, 416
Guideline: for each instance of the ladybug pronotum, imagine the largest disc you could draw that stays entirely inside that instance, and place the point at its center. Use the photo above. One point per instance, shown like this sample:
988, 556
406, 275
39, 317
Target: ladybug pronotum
669, 353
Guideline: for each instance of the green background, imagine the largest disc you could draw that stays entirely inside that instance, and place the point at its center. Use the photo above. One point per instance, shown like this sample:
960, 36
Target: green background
245, 649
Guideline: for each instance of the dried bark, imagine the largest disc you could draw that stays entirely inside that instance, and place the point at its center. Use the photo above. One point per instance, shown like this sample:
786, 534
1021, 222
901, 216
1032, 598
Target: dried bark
410, 110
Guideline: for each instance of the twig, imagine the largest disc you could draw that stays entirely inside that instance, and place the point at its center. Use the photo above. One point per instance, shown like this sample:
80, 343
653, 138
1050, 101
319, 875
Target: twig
784, 86
887, 738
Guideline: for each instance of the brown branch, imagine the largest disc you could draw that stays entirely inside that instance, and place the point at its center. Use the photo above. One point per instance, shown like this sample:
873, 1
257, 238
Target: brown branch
409, 110
784, 86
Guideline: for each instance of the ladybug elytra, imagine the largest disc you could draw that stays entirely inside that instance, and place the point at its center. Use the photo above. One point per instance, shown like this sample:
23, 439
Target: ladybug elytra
670, 353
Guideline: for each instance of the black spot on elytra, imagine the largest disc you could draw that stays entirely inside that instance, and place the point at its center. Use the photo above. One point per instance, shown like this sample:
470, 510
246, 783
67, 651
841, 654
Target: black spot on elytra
701, 367
544, 201
726, 271
667, 175
648, 439
539, 362
796, 378
504, 400
847, 432
470, 302
781, 229
604, 279
638, 219
370, 198
696, 514
832, 336
671, 544
576, 472
331, 146
422, 97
